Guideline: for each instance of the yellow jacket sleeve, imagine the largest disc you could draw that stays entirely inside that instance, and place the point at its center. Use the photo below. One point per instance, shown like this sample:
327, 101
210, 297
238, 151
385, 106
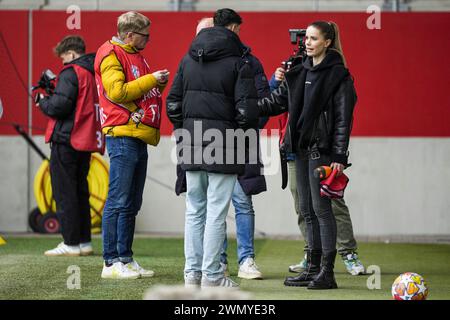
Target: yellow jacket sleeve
113, 80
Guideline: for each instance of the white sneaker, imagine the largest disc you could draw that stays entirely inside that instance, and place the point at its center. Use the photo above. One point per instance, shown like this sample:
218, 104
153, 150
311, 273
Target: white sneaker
134, 266
298, 268
223, 282
249, 270
119, 271
192, 280
63, 250
353, 264
86, 249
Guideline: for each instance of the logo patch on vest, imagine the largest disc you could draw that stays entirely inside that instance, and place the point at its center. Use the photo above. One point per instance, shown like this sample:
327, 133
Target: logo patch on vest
135, 71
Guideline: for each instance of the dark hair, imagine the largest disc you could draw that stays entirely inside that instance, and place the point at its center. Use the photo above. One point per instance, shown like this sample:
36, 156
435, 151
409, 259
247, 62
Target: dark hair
225, 17
72, 42
330, 31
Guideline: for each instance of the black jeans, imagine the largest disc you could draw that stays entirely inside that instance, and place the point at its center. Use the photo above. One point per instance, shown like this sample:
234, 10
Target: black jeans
319, 217
69, 169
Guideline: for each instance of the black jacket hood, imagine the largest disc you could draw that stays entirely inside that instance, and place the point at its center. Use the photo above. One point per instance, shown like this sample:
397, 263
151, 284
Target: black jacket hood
86, 61
214, 44
331, 59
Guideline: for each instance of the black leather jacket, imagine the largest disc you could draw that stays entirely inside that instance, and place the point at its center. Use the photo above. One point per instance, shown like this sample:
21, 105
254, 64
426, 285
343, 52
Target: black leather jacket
335, 123
329, 127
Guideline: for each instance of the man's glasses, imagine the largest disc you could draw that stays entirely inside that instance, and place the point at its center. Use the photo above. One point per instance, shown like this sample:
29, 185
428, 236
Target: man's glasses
143, 34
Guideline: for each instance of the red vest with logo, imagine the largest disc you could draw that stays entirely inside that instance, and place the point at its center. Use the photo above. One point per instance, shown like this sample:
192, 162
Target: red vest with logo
134, 66
86, 133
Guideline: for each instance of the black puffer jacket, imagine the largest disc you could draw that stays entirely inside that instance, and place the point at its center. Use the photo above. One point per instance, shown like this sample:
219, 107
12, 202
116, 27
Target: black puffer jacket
61, 105
322, 118
214, 88
252, 181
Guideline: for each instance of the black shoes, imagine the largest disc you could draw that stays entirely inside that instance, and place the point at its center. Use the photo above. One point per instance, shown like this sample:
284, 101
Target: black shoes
325, 279
319, 274
312, 270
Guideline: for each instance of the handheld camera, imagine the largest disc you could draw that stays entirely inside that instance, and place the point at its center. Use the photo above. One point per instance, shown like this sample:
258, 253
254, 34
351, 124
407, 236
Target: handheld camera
297, 38
46, 82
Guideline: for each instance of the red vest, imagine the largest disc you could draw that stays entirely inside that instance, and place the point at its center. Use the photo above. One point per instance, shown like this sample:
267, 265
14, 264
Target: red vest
86, 133
134, 66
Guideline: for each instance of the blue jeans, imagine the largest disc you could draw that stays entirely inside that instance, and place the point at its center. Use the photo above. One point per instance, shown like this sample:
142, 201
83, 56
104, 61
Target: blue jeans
207, 201
127, 173
245, 226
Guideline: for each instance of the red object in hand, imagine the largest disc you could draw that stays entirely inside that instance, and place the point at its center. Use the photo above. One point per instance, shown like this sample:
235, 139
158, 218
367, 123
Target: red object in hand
333, 187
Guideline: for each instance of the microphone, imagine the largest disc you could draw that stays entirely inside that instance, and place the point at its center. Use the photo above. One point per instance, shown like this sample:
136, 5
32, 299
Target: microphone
322, 172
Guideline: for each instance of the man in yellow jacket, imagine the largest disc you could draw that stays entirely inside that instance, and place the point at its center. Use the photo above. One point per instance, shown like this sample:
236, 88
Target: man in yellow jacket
130, 111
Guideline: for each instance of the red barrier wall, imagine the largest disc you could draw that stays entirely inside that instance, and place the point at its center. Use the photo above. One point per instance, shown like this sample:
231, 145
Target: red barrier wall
400, 71
13, 69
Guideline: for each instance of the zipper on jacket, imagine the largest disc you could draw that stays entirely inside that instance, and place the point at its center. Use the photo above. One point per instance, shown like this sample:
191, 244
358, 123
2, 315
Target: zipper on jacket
293, 149
325, 119
313, 137
200, 55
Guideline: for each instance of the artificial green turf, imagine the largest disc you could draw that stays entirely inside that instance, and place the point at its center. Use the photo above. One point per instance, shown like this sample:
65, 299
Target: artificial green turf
25, 273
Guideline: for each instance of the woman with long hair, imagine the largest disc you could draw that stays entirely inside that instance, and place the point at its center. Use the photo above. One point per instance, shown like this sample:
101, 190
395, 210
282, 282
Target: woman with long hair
319, 94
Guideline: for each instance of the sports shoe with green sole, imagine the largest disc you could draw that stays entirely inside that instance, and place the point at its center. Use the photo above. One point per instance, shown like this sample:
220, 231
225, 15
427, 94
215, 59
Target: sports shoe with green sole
298, 268
353, 264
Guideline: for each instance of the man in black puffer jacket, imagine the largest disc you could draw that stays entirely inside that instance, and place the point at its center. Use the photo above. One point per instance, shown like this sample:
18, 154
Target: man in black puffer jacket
252, 182
213, 95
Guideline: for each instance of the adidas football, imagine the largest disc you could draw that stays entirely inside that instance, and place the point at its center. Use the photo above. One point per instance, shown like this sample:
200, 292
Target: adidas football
409, 286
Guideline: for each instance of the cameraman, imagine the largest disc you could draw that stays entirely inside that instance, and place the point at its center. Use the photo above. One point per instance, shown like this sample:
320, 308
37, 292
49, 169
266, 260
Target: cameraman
73, 132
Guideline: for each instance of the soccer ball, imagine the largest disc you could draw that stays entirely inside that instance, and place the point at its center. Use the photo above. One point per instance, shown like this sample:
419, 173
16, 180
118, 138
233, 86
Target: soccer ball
409, 286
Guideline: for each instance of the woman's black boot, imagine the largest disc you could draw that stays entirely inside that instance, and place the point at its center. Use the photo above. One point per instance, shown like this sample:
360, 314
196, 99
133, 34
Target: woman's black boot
313, 267
325, 279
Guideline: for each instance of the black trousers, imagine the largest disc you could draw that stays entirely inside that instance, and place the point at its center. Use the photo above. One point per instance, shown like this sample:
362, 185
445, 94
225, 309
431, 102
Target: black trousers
320, 221
69, 169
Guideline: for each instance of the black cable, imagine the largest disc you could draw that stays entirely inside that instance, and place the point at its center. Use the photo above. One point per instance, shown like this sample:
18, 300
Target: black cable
32, 144
8, 53
13, 124
22, 82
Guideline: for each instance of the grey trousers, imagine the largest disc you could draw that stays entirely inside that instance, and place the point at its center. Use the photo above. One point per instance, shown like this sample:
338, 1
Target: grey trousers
345, 238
